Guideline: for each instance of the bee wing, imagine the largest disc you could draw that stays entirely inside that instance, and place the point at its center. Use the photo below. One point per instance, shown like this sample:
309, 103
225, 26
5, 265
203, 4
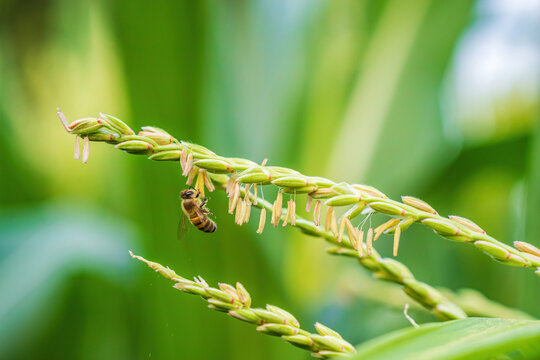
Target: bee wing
183, 227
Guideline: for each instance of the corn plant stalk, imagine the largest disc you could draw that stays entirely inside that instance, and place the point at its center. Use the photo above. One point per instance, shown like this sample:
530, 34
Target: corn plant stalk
161, 146
382, 268
236, 301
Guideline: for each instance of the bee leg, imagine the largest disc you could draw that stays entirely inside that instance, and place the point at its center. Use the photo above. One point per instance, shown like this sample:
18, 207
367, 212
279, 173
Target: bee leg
204, 201
206, 211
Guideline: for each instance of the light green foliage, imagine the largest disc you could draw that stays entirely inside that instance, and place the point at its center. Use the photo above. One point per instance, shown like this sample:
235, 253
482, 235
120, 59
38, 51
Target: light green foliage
473, 338
352, 90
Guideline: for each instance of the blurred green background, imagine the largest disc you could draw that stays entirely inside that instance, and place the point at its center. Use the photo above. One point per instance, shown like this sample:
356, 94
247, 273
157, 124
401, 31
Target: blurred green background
435, 99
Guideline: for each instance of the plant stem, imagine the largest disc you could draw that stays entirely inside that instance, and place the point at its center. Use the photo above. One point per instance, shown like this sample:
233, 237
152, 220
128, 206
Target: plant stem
236, 302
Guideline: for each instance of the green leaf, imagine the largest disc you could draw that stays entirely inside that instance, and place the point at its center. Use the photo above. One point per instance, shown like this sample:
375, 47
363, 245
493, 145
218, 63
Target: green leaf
472, 338
42, 248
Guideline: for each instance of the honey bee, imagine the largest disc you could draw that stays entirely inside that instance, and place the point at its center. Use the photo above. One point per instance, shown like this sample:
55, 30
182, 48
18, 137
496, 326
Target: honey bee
196, 212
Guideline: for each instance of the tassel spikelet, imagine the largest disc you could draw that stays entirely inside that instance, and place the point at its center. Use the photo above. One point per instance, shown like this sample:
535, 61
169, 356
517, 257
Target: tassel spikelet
467, 223
527, 248
418, 204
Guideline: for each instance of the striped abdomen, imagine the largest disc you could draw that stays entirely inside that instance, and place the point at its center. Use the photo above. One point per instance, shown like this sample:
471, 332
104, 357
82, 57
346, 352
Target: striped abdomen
202, 222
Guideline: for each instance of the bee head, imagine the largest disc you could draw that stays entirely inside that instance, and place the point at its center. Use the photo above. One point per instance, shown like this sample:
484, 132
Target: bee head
189, 194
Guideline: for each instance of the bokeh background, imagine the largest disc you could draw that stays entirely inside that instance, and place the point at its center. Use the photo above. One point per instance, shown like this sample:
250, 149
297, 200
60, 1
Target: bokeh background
435, 99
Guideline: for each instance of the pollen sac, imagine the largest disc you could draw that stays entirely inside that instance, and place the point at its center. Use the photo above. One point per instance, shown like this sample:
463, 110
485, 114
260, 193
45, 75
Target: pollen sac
317, 213
262, 221
85, 126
